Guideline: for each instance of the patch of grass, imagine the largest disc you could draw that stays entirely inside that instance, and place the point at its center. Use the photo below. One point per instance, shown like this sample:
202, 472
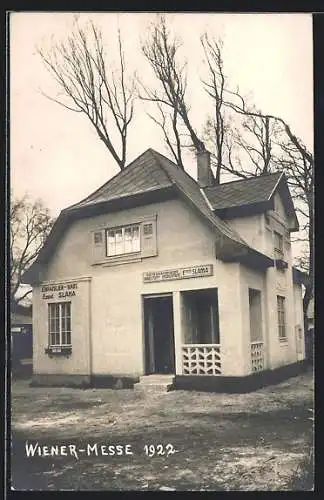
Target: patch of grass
224, 441
303, 477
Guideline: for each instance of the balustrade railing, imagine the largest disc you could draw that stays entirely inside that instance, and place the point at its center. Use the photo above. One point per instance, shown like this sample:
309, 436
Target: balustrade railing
201, 359
257, 356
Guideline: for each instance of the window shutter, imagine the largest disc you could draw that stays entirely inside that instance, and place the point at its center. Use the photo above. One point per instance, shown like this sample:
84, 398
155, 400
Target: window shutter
148, 238
98, 245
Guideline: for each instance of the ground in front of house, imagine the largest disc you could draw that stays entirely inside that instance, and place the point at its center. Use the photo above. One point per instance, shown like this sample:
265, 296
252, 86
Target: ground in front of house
218, 442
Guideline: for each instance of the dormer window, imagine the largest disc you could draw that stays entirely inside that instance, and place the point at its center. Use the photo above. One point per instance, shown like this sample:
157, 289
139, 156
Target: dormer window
278, 245
117, 244
123, 240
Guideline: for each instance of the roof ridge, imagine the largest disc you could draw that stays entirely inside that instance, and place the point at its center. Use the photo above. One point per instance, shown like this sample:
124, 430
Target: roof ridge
210, 213
96, 191
246, 180
282, 176
177, 166
156, 155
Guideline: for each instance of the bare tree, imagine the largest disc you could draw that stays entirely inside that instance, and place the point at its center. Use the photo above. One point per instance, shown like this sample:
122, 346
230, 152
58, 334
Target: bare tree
296, 161
89, 86
251, 146
235, 144
215, 87
30, 224
292, 157
161, 51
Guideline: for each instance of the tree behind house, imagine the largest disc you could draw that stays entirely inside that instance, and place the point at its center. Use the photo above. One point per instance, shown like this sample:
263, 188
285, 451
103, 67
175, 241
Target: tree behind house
30, 224
89, 85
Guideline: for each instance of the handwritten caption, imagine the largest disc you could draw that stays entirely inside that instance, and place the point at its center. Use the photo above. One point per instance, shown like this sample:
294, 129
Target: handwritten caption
96, 450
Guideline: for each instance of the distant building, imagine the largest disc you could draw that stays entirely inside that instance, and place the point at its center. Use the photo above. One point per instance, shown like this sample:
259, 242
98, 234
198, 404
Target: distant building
21, 339
310, 339
310, 313
156, 273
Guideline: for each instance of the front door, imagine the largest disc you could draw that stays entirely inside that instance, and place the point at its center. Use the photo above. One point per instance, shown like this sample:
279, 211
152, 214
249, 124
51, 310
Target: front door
159, 337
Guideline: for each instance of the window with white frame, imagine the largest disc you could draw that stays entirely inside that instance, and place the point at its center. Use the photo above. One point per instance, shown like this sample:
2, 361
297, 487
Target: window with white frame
123, 240
59, 324
281, 317
278, 245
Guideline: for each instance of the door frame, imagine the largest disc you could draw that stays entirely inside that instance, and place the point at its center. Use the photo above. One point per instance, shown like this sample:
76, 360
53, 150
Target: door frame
144, 297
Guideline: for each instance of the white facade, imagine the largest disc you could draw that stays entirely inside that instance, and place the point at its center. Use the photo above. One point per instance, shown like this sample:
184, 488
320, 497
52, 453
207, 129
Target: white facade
108, 317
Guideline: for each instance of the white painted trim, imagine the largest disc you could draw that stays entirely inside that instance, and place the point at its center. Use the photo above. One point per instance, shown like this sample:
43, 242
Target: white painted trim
132, 220
206, 199
156, 295
65, 280
274, 189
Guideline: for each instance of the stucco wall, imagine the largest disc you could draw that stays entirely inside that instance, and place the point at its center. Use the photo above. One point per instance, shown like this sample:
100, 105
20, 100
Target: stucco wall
107, 322
80, 361
251, 229
257, 281
117, 336
281, 352
299, 322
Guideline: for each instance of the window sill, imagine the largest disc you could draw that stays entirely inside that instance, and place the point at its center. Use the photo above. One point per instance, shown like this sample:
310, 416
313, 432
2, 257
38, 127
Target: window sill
58, 351
283, 341
120, 259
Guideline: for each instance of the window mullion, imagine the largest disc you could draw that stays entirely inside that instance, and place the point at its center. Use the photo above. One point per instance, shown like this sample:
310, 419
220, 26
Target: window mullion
60, 322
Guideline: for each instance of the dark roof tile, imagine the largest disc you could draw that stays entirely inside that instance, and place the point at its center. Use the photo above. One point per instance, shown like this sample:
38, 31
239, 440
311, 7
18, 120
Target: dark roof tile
142, 175
243, 192
191, 189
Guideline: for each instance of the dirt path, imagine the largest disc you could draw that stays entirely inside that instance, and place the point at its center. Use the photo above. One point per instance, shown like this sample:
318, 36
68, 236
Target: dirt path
222, 442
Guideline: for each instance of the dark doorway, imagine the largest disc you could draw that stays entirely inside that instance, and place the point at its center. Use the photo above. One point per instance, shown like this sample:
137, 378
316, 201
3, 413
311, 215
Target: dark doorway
200, 316
159, 337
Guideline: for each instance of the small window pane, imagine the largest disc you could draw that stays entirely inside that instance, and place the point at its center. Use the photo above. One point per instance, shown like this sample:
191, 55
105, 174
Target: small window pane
119, 241
59, 323
98, 237
123, 240
128, 233
111, 249
128, 240
136, 239
281, 316
148, 229
278, 240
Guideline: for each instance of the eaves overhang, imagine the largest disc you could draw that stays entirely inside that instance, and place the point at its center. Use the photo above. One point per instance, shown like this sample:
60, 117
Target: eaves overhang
300, 277
71, 214
250, 258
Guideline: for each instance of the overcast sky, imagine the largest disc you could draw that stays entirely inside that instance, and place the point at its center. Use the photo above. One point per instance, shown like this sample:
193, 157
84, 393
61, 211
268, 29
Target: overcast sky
55, 153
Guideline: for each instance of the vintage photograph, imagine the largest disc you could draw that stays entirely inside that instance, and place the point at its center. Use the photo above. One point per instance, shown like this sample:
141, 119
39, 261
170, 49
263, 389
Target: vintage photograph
161, 251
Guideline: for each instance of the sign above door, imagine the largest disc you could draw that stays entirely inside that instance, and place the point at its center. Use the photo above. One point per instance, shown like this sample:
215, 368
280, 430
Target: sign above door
178, 274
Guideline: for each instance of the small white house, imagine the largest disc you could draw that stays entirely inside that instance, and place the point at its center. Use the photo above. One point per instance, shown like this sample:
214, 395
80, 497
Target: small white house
155, 273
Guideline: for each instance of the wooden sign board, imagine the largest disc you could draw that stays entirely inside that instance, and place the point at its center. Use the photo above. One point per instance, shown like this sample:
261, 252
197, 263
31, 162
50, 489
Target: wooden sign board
178, 274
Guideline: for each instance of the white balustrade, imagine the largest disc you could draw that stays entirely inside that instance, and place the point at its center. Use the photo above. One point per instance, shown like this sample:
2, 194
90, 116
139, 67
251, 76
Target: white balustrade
201, 359
257, 356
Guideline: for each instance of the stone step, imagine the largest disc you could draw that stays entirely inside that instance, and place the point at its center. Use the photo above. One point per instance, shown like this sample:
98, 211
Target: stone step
155, 383
152, 387
156, 380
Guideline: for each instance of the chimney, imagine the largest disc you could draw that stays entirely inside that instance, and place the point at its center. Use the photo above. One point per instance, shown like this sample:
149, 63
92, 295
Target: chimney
205, 175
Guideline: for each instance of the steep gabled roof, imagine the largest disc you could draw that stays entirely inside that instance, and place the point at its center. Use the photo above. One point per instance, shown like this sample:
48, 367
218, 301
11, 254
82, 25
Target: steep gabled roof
190, 189
141, 175
243, 192
143, 181
241, 197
